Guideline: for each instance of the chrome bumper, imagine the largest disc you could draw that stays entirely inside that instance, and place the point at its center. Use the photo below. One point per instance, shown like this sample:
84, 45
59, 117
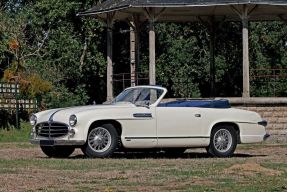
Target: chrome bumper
266, 136
57, 142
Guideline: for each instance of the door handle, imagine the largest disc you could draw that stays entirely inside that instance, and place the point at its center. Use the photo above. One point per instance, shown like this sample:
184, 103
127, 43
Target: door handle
144, 115
197, 115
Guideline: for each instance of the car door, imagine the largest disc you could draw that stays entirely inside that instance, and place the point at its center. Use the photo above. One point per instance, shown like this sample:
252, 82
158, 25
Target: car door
179, 126
139, 128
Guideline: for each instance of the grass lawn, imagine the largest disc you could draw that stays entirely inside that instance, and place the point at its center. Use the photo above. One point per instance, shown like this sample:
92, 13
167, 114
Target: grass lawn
15, 135
23, 167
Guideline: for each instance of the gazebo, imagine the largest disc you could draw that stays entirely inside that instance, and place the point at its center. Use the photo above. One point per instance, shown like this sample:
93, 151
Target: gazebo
135, 12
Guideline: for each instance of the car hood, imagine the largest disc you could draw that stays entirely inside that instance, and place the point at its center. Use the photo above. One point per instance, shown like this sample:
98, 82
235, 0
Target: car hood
64, 113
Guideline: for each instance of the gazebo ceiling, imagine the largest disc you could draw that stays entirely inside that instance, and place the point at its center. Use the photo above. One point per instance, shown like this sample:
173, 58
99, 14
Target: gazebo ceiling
190, 10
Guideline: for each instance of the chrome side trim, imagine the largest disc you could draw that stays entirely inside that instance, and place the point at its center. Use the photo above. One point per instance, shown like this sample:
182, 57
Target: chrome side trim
183, 137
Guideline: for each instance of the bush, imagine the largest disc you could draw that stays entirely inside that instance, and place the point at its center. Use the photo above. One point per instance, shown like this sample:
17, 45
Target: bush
62, 97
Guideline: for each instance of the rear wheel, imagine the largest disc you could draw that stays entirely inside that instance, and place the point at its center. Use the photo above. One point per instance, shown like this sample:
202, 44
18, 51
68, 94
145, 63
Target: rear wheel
58, 151
102, 141
223, 141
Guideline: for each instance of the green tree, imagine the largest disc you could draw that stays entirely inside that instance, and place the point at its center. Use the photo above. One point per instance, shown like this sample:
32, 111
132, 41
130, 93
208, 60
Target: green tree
268, 59
15, 45
182, 58
59, 46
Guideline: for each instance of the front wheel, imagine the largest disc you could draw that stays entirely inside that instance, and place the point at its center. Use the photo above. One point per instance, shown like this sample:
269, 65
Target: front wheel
223, 141
58, 151
101, 142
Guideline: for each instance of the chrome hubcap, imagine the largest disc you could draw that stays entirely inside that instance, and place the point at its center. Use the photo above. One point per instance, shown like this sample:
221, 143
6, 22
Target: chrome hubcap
222, 140
99, 139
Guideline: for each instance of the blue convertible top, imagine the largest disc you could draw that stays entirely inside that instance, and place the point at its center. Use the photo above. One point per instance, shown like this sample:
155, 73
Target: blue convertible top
220, 104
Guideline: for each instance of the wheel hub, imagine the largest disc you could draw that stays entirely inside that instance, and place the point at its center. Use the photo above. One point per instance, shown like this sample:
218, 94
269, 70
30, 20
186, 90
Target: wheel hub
98, 139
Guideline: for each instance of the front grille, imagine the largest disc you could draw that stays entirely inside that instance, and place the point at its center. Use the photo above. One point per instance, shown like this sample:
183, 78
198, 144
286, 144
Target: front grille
51, 130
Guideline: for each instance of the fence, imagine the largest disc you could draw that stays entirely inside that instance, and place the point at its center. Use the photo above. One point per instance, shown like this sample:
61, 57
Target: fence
269, 81
8, 98
13, 106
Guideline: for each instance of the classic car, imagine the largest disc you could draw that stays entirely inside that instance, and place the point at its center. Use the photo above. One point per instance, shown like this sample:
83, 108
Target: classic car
138, 118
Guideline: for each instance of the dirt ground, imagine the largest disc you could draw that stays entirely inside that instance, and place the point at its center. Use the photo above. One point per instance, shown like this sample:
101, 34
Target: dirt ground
20, 151
24, 167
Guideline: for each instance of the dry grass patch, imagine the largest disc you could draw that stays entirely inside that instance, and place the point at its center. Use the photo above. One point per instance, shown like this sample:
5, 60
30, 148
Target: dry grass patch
251, 169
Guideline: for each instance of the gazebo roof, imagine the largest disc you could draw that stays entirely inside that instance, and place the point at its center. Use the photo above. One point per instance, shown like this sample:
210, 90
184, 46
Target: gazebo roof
189, 10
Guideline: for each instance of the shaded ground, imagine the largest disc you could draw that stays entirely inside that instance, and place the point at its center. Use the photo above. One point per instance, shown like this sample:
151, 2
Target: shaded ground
23, 167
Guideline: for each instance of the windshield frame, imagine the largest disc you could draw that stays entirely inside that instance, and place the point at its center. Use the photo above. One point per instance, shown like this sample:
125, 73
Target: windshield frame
141, 90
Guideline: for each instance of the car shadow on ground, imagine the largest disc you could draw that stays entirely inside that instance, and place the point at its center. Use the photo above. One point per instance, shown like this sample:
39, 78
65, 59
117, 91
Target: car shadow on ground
187, 155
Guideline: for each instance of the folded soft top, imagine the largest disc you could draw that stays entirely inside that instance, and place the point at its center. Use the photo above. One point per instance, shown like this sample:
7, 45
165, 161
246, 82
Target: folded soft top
222, 103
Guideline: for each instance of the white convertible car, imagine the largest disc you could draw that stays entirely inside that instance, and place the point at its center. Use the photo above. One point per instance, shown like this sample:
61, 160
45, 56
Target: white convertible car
137, 119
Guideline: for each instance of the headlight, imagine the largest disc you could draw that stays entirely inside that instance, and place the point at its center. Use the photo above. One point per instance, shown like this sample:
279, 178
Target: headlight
33, 120
73, 120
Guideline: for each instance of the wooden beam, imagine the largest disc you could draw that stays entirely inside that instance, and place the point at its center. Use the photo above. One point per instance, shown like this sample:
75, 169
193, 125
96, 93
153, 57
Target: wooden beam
110, 17
252, 9
146, 12
150, 13
236, 10
156, 17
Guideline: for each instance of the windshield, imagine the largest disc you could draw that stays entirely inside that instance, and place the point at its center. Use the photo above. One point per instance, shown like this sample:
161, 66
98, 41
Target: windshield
139, 96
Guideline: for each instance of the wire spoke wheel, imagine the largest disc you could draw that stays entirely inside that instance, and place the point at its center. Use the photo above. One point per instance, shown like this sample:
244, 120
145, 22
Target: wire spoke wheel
99, 139
102, 141
222, 140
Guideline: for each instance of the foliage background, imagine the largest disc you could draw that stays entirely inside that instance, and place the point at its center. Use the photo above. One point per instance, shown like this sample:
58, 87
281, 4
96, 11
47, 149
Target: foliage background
60, 57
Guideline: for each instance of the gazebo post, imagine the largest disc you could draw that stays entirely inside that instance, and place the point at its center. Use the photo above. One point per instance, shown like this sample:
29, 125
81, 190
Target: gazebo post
138, 29
245, 37
245, 42
133, 54
134, 48
152, 17
110, 18
152, 79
